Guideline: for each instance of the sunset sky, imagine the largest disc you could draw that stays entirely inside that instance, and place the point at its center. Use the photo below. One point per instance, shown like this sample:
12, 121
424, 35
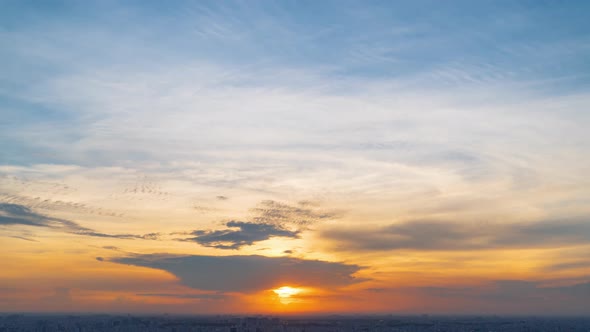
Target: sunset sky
295, 157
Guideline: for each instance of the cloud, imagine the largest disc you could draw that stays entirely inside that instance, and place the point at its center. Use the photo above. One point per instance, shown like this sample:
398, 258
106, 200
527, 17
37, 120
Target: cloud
24, 238
270, 219
569, 265
430, 235
240, 234
215, 296
36, 202
247, 273
15, 214
302, 215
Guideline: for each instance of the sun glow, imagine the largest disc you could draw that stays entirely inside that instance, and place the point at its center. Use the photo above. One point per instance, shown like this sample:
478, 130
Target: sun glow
286, 291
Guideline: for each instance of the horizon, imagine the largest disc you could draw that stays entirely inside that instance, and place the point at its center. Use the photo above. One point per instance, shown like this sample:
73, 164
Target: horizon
291, 315
295, 157
290, 323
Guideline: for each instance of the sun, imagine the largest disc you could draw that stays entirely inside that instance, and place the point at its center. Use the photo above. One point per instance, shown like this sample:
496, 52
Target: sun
286, 291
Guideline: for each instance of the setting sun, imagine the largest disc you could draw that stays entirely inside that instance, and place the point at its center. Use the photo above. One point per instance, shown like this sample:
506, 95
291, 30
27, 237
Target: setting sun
286, 291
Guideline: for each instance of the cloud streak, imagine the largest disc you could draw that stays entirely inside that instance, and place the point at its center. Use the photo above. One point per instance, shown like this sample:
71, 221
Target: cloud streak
429, 235
14, 214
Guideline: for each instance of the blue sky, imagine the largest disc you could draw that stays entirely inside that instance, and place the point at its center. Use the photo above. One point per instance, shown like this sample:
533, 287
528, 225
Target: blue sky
531, 48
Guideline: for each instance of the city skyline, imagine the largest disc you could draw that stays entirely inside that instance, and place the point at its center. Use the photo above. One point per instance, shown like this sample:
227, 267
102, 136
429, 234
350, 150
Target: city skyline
295, 157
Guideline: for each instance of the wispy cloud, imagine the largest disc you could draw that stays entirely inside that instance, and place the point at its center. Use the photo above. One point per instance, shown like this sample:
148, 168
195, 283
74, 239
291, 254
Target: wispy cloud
14, 215
302, 215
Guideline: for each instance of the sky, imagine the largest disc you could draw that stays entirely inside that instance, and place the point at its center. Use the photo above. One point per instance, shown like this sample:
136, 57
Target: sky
295, 157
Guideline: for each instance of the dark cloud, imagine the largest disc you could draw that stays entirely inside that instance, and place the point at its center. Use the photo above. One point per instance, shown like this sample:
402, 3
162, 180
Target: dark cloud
270, 219
247, 273
14, 214
148, 236
427, 235
222, 198
239, 234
